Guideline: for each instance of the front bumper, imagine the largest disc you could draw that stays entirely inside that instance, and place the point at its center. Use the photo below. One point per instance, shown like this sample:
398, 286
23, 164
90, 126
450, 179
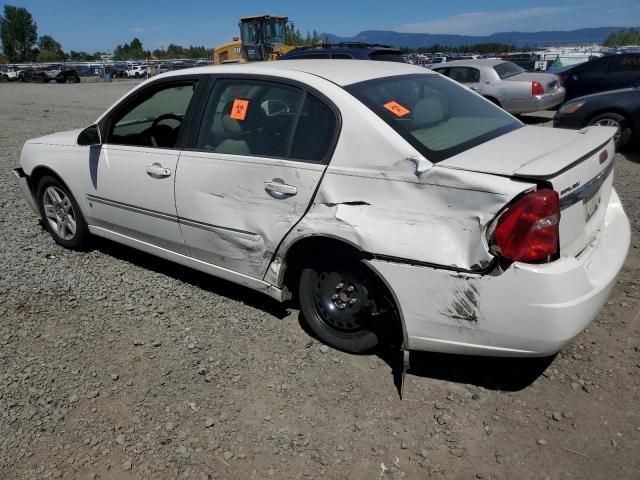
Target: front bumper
528, 310
23, 184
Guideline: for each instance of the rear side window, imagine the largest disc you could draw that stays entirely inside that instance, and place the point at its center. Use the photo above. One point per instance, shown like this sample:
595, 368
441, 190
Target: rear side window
341, 56
508, 69
625, 64
464, 74
437, 116
260, 118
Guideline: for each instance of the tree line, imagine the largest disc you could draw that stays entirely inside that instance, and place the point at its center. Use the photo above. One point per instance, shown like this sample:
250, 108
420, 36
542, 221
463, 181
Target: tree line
626, 36
21, 44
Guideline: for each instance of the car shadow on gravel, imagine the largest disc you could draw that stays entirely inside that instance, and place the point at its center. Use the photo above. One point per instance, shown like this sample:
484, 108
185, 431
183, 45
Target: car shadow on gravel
193, 277
633, 156
493, 373
506, 374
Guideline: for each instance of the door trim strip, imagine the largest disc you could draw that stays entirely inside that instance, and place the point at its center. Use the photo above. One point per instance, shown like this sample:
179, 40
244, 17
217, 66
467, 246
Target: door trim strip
172, 218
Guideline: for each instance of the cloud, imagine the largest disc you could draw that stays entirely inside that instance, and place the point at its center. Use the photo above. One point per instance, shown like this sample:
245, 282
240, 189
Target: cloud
481, 23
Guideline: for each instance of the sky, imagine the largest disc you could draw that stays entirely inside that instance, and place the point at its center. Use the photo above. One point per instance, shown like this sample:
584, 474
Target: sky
101, 25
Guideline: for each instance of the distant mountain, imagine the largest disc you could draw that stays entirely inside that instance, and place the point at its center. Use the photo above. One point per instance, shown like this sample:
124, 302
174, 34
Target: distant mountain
519, 39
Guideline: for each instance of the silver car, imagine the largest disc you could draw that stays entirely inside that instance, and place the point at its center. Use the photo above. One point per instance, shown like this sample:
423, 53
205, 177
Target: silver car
506, 84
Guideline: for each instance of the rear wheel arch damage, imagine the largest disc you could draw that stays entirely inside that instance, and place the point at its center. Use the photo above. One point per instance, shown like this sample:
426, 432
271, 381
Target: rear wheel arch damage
313, 259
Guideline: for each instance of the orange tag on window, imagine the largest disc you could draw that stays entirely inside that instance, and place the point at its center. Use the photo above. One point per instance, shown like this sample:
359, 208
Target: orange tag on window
397, 109
239, 109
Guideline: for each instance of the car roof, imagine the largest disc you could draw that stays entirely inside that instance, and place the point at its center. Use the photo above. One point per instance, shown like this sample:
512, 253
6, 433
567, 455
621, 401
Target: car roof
477, 62
340, 72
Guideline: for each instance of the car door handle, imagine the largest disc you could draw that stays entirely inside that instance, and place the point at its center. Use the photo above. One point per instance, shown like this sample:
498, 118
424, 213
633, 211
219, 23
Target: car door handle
280, 187
157, 170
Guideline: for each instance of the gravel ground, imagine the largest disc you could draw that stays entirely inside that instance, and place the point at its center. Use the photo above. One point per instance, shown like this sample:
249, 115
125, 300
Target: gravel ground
115, 364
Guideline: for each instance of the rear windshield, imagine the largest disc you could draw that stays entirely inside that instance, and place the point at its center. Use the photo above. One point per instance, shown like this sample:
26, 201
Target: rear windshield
508, 69
437, 116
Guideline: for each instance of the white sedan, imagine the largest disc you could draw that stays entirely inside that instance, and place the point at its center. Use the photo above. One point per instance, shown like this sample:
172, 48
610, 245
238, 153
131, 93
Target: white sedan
394, 205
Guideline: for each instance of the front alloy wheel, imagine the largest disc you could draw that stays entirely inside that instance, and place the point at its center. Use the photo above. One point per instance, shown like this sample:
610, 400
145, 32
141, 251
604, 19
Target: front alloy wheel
616, 121
61, 214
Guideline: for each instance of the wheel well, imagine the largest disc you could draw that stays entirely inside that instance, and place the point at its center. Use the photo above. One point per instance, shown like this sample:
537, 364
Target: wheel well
307, 250
39, 172
493, 100
609, 110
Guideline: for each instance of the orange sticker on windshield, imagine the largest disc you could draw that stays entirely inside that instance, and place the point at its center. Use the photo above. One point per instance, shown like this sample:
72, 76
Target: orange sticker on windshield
397, 109
239, 109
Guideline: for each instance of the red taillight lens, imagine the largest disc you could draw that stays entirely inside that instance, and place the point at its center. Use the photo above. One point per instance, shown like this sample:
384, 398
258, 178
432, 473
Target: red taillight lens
537, 88
528, 230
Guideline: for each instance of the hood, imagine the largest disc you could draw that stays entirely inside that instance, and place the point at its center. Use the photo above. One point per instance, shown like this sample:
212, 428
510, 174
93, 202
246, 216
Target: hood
606, 93
69, 138
531, 152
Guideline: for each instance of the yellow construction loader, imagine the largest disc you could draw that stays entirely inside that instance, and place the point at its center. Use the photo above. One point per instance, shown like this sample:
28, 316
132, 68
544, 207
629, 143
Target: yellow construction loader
261, 38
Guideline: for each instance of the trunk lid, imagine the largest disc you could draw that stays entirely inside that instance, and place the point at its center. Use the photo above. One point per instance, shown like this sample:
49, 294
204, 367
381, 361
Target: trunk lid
568, 161
548, 81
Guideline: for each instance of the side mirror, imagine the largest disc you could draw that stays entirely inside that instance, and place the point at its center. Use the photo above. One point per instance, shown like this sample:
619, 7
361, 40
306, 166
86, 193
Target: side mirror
90, 136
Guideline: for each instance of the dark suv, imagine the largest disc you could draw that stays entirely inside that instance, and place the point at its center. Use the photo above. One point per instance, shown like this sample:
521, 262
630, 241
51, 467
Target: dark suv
353, 51
606, 73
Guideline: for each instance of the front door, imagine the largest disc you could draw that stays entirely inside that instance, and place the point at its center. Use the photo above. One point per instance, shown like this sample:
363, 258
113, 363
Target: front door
261, 151
133, 172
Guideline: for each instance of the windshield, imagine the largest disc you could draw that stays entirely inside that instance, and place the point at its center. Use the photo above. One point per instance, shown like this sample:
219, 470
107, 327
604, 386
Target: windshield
508, 69
436, 115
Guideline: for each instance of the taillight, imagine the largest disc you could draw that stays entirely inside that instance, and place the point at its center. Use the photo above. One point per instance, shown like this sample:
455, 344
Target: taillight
528, 230
537, 88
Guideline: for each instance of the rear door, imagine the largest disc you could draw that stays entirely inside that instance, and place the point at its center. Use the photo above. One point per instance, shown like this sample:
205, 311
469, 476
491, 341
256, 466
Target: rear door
252, 171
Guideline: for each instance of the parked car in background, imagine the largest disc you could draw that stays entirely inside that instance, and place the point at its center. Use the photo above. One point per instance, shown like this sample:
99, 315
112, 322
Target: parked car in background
400, 206
602, 74
9, 73
345, 51
49, 73
619, 109
506, 84
136, 71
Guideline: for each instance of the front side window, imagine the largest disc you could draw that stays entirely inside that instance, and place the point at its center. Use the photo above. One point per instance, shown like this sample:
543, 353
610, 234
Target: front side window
508, 69
261, 118
154, 119
436, 116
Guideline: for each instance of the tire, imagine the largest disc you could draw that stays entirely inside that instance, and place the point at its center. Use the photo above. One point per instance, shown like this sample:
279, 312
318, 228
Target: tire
61, 214
616, 120
4, 79
346, 305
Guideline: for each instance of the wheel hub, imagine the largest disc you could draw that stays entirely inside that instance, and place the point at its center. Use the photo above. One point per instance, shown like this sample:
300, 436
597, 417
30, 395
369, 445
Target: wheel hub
345, 296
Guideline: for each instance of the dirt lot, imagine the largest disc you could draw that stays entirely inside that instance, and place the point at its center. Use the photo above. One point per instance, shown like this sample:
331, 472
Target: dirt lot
114, 364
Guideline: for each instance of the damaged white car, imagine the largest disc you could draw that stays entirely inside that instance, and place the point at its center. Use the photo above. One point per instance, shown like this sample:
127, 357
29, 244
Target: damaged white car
395, 205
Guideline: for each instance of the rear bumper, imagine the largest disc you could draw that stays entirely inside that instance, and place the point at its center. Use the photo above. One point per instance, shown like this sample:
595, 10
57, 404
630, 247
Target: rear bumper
22, 181
528, 310
539, 102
